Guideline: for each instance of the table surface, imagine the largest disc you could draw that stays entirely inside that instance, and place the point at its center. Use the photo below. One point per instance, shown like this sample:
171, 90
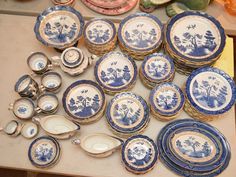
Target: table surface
17, 42
34, 7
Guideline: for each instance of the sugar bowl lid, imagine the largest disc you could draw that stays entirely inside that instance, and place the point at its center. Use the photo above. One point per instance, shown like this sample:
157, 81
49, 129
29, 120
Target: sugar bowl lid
195, 36
99, 31
72, 57
157, 67
127, 113
210, 90
140, 32
59, 26
83, 100
167, 99
115, 71
139, 154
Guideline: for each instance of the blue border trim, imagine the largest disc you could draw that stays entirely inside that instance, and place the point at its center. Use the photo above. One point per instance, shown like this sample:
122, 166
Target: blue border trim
89, 82
58, 149
100, 19
183, 172
104, 57
223, 74
49, 10
156, 153
138, 15
119, 129
162, 55
19, 82
195, 13
167, 84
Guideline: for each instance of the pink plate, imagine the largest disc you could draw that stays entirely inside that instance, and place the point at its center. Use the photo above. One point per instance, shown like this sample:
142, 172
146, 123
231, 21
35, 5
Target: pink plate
107, 4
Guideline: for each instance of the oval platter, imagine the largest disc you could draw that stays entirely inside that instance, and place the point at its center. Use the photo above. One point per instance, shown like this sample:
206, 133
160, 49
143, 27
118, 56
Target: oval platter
140, 32
139, 154
127, 114
59, 27
84, 101
115, 72
210, 91
195, 37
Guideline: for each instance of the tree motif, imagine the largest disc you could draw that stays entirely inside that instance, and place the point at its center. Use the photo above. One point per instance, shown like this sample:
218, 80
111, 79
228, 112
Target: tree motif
157, 69
167, 101
191, 142
98, 35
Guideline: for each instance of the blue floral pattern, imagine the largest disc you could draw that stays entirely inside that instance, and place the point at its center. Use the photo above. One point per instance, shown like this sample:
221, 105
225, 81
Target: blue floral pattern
44, 153
115, 76
140, 155
22, 110
193, 148
167, 101
84, 105
60, 31
210, 92
141, 38
195, 44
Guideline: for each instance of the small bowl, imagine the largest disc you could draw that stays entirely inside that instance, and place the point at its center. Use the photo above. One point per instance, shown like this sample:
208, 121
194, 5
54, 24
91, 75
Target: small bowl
47, 103
11, 127
51, 82
29, 130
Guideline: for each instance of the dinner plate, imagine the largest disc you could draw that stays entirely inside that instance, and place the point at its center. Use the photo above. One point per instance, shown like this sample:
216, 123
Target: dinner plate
59, 27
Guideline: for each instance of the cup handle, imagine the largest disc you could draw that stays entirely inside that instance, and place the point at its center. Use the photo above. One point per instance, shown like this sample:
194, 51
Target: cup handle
38, 110
76, 141
42, 88
10, 107
92, 58
36, 120
55, 60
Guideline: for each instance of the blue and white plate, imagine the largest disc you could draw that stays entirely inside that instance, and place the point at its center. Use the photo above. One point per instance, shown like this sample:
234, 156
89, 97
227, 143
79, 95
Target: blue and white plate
140, 32
127, 113
115, 72
193, 148
167, 99
157, 67
139, 154
99, 31
83, 100
44, 152
59, 26
210, 91
195, 36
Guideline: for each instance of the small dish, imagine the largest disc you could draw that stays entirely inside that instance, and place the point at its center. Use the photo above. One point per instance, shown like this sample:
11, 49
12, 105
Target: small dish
59, 27
115, 72
84, 101
47, 103
98, 144
29, 130
39, 63
26, 86
51, 82
11, 127
44, 152
139, 154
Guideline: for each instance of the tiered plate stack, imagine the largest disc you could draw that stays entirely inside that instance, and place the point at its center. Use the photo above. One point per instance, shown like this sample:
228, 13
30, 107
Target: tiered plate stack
140, 34
156, 68
210, 92
194, 40
100, 36
193, 148
166, 101
110, 7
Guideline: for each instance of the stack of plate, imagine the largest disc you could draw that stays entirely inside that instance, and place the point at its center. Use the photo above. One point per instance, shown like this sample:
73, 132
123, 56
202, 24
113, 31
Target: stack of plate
156, 68
100, 36
110, 7
193, 148
44, 152
194, 39
140, 34
166, 101
127, 114
115, 72
210, 92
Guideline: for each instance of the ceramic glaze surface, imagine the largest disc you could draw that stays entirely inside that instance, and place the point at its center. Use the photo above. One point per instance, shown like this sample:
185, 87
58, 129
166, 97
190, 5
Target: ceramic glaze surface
59, 26
115, 71
37, 61
139, 153
157, 66
43, 151
47, 102
195, 35
127, 112
167, 99
99, 31
210, 90
11, 127
140, 32
72, 57
83, 99
51, 81
29, 130
23, 108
